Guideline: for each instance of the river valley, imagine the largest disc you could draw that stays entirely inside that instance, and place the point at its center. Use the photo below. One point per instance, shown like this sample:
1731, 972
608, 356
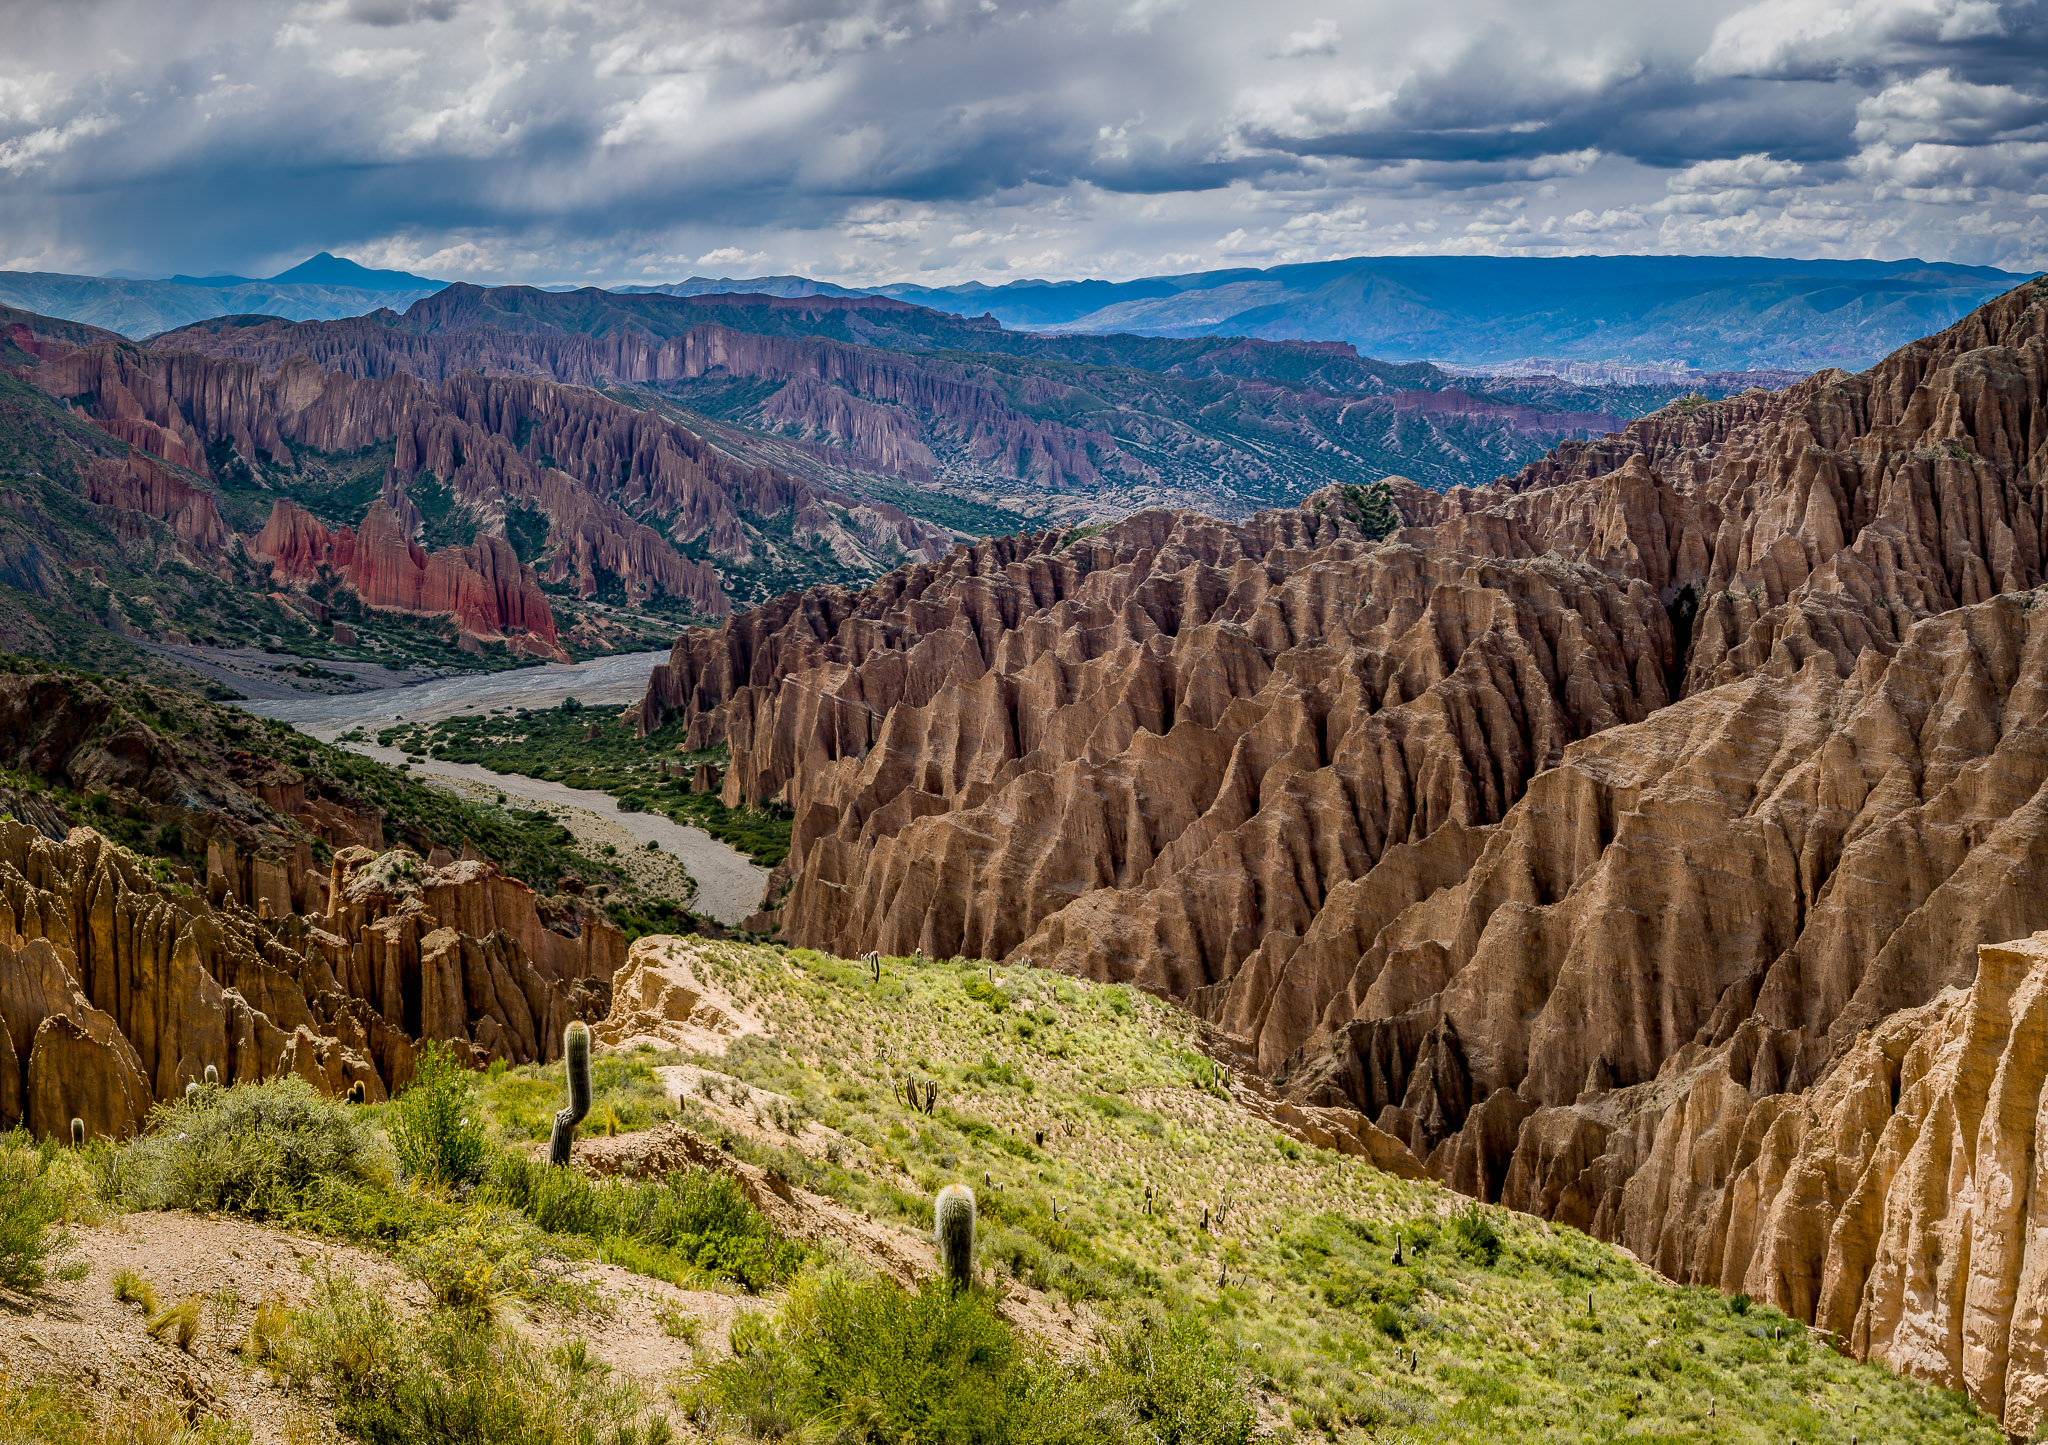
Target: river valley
729, 885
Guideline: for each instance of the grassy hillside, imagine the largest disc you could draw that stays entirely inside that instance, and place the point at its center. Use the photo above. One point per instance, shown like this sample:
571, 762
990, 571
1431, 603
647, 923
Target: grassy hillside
1156, 1265
1495, 1327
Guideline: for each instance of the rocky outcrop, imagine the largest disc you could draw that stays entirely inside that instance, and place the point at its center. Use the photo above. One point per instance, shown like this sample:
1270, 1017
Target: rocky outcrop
487, 590
117, 991
1890, 1203
660, 998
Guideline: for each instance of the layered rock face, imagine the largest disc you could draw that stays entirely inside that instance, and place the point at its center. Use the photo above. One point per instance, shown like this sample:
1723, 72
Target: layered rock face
590, 465
901, 391
116, 992
483, 586
1558, 835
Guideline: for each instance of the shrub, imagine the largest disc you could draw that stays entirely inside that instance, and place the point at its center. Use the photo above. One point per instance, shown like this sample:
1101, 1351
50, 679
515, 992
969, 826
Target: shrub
1475, 1236
435, 1125
255, 1149
487, 1256
31, 1207
932, 1368
1183, 1385
454, 1376
701, 1220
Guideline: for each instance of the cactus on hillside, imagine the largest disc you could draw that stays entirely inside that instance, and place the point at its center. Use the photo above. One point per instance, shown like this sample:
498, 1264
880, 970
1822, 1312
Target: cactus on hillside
191, 1091
576, 1054
77, 1133
357, 1093
212, 1077
953, 1231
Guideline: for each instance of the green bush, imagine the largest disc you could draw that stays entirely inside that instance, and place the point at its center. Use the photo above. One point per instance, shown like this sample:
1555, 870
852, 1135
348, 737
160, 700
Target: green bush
1475, 1236
487, 1255
701, 1221
868, 1360
456, 1376
933, 1368
258, 1149
1182, 1384
435, 1125
31, 1207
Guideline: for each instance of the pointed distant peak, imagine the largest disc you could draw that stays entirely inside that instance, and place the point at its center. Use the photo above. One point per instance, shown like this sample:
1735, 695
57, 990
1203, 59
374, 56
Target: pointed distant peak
328, 269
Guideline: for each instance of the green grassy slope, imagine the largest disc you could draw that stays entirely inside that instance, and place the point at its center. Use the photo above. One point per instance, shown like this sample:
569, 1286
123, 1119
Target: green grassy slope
1496, 1327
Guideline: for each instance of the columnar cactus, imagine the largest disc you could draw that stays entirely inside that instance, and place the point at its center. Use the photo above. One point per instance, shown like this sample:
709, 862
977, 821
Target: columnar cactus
78, 1133
953, 1231
576, 1054
357, 1092
191, 1091
212, 1077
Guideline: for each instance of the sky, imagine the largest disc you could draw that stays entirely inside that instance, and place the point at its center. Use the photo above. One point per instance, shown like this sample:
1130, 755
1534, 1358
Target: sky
941, 141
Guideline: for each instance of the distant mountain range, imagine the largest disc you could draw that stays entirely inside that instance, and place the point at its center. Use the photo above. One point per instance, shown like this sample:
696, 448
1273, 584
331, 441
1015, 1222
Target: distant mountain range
1703, 313
321, 288
1715, 313
964, 423
1707, 313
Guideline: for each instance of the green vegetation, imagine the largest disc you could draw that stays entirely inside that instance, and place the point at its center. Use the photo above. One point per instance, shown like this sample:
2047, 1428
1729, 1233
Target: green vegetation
1218, 1265
433, 1123
456, 1377
585, 749
214, 746
1372, 508
262, 1150
1110, 1172
576, 1063
31, 1207
444, 522
961, 514
940, 1367
526, 528
45, 1415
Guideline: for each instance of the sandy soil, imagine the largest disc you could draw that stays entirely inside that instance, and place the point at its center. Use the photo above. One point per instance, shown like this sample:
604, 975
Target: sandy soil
728, 884
79, 1333
657, 870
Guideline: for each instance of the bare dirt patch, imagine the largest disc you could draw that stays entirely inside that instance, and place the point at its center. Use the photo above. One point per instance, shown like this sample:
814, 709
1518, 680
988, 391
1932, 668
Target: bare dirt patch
77, 1334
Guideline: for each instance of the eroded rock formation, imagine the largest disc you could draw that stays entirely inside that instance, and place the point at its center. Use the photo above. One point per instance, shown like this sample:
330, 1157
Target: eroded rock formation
1557, 834
484, 587
116, 990
121, 980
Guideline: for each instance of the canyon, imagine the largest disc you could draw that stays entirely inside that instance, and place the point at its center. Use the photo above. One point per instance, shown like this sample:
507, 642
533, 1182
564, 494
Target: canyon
476, 499
1619, 839
275, 927
882, 392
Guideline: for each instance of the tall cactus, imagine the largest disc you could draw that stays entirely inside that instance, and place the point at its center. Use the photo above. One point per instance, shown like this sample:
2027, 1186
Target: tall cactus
212, 1077
953, 1230
78, 1133
576, 1054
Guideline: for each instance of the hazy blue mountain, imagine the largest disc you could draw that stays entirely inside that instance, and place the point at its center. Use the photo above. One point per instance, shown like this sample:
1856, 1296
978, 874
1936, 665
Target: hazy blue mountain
322, 288
328, 269
751, 286
1712, 312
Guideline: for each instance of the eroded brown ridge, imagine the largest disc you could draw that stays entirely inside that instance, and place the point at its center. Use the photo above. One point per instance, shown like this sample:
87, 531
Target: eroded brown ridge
1553, 833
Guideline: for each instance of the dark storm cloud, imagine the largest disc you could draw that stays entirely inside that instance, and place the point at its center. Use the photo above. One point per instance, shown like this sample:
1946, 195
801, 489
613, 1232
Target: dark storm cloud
572, 139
